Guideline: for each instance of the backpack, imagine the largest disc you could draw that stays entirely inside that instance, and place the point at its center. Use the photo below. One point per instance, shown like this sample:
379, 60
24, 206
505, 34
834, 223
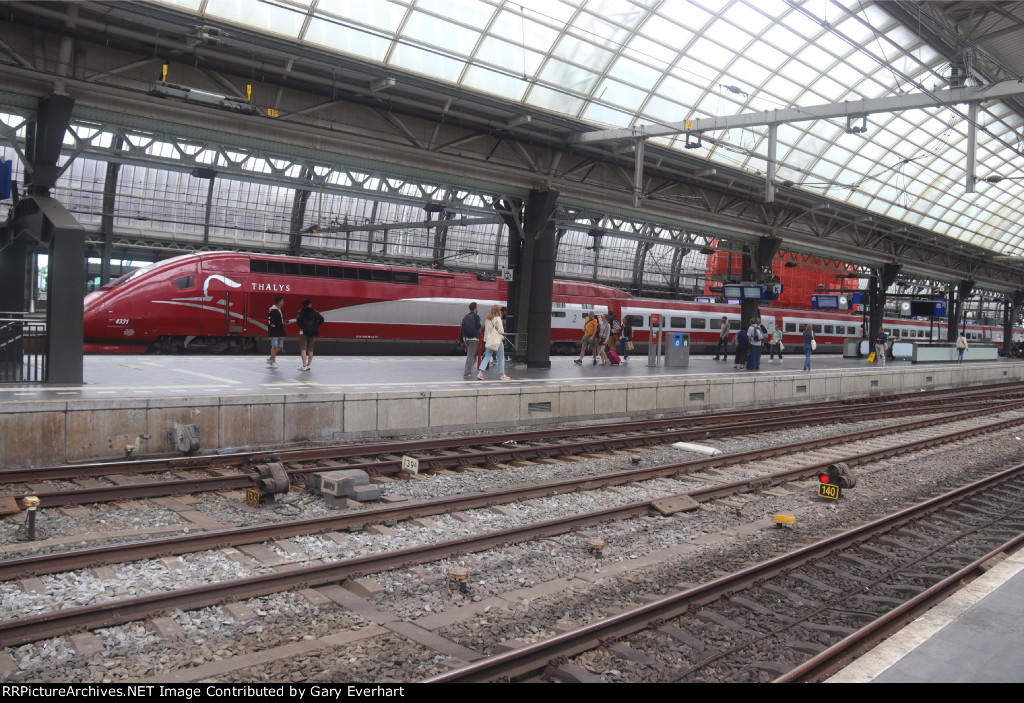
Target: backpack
616, 327
310, 321
758, 334
470, 326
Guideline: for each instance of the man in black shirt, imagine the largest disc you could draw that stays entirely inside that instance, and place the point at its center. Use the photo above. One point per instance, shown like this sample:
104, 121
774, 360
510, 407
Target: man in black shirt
275, 330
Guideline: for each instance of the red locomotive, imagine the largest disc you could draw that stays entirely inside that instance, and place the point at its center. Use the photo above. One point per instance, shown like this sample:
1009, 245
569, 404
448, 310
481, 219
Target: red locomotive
218, 302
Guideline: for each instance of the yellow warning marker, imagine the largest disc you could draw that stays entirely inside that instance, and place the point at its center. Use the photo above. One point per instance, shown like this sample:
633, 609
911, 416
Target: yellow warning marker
783, 519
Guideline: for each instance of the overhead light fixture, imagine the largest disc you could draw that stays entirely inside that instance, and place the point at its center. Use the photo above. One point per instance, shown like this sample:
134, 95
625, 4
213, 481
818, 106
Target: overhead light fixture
202, 172
517, 120
851, 129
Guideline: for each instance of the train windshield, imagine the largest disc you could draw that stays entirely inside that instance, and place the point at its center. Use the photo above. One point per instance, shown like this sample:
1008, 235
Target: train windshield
125, 278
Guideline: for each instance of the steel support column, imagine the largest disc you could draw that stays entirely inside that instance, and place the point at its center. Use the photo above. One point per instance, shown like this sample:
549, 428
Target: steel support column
879, 284
41, 217
1011, 313
532, 288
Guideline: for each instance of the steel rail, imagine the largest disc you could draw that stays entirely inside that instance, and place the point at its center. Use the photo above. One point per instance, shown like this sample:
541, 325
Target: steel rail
16, 632
57, 562
494, 455
749, 417
535, 657
843, 652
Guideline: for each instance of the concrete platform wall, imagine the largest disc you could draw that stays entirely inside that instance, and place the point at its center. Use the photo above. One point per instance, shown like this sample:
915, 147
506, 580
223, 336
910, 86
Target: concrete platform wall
42, 433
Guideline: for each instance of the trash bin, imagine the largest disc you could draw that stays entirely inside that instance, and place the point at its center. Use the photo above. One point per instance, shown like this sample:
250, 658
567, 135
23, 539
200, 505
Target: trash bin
677, 349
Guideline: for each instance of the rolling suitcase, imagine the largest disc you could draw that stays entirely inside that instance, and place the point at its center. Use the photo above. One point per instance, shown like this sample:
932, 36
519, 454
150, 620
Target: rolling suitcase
613, 357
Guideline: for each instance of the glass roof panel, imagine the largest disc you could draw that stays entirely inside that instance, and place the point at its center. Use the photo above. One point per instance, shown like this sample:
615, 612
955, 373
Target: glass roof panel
574, 78
624, 62
583, 53
667, 32
330, 35
427, 62
621, 94
381, 14
638, 74
437, 32
264, 16
514, 58
523, 30
466, 12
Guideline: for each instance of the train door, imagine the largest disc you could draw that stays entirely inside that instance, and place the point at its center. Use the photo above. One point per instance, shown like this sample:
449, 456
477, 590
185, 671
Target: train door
224, 305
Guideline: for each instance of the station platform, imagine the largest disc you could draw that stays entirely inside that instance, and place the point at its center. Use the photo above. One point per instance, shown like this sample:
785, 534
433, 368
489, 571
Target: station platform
240, 403
974, 636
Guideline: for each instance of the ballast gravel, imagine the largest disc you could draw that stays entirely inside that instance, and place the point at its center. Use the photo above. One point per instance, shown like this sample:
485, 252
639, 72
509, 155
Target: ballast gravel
717, 538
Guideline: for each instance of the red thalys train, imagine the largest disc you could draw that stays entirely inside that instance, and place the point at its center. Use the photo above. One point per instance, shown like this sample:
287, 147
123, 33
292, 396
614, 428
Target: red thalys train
219, 301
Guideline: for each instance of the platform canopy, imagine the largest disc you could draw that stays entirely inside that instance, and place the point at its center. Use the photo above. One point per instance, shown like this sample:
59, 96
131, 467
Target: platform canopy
623, 63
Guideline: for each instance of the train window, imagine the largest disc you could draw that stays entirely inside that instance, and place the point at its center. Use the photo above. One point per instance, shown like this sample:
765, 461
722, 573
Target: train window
323, 271
292, 268
380, 275
258, 266
734, 324
851, 330
185, 282
275, 267
677, 322
337, 272
816, 328
791, 327
405, 277
829, 329
698, 323
308, 269
557, 314
635, 320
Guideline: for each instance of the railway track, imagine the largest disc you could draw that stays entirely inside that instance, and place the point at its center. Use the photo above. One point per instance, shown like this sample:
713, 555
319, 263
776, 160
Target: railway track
112, 612
134, 480
831, 599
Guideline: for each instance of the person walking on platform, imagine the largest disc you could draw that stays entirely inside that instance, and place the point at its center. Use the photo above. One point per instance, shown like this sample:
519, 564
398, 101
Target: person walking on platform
616, 332
880, 342
587, 343
961, 347
809, 345
604, 331
470, 334
309, 321
275, 330
722, 348
494, 343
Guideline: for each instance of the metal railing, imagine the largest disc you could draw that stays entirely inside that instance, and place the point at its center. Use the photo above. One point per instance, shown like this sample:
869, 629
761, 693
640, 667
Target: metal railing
22, 348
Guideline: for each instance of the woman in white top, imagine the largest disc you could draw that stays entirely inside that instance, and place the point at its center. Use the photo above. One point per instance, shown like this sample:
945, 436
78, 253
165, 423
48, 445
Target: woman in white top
494, 343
